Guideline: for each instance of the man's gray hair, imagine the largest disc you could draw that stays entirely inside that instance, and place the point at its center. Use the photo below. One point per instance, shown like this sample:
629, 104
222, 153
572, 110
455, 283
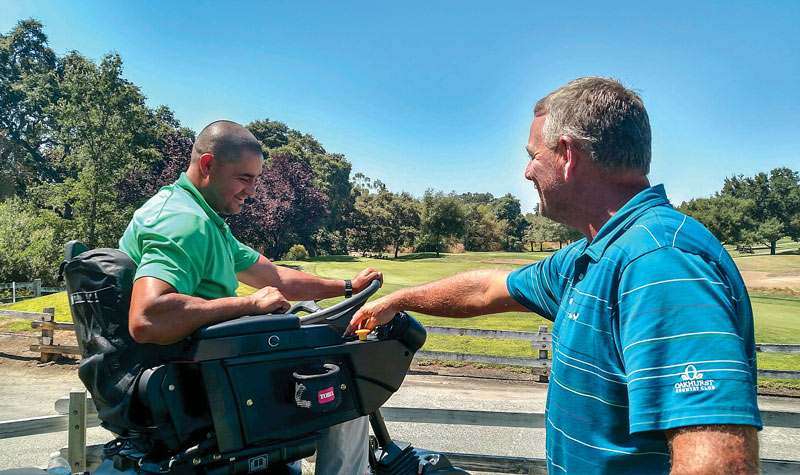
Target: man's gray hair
607, 120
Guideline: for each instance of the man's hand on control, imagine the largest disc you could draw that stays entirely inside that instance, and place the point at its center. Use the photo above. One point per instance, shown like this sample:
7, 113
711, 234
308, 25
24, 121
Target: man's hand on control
372, 314
270, 299
363, 279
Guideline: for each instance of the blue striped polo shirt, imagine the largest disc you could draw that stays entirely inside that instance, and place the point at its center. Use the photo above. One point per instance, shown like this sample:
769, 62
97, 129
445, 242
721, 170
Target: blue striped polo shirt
653, 330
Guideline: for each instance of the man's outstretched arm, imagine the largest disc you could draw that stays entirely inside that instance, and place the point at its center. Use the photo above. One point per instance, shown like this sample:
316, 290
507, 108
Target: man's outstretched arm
714, 449
468, 294
296, 285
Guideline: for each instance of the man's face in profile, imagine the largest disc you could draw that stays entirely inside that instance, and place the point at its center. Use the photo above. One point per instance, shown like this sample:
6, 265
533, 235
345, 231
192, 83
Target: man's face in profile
231, 182
543, 170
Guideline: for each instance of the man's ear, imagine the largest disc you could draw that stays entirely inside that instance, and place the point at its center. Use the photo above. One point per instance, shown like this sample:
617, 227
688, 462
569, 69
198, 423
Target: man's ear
572, 155
205, 164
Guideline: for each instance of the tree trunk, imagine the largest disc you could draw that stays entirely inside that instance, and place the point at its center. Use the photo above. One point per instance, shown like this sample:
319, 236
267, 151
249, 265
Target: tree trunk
772, 247
93, 218
396, 247
531, 246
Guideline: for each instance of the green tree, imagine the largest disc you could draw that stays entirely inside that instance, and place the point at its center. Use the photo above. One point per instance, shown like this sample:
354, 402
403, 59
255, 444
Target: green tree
443, 216
507, 208
104, 129
30, 245
368, 223
565, 234
483, 231
728, 218
28, 90
539, 230
404, 219
777, 203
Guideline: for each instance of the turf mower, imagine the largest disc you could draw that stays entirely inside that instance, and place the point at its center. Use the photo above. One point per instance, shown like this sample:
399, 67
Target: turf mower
248, 395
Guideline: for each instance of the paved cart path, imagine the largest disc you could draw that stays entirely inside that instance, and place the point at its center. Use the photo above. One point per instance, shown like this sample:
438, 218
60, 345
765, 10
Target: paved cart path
28, 390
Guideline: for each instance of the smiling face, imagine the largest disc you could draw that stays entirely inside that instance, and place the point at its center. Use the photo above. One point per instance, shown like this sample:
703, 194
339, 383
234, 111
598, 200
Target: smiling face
546, 170
231, 182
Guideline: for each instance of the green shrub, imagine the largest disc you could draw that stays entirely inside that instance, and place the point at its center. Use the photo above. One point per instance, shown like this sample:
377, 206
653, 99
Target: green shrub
296, 253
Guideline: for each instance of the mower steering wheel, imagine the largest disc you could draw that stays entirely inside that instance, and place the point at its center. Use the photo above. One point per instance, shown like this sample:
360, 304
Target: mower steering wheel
334, 312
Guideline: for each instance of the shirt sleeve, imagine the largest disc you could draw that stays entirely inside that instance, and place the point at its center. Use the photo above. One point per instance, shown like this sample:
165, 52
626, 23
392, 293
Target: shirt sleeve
681, 339
243, 256
539, 286
174, 252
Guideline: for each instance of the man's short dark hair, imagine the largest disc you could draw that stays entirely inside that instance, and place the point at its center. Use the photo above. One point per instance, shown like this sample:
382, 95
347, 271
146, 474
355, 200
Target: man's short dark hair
226, 140
607, 120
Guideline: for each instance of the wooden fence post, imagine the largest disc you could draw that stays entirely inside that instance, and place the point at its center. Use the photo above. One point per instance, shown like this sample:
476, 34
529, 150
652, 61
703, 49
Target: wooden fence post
543, 378
37, 287
47, 334
76, 435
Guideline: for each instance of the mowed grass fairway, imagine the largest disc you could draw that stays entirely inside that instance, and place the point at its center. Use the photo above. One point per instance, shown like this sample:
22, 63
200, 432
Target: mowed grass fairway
777, 317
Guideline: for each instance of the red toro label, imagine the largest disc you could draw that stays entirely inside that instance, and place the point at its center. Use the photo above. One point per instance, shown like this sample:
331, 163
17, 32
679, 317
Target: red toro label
326, 395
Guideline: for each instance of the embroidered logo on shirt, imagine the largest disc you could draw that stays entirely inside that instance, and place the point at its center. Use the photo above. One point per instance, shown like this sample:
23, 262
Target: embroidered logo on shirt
692, 381
572, 316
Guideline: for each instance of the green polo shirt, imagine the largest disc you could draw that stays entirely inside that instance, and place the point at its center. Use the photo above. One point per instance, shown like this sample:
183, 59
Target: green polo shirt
176, 237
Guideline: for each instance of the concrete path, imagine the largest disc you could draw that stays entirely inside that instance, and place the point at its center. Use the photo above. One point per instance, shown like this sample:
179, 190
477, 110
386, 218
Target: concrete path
35, 397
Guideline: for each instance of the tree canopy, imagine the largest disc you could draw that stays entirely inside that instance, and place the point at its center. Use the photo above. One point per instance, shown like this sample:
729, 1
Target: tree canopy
760, 209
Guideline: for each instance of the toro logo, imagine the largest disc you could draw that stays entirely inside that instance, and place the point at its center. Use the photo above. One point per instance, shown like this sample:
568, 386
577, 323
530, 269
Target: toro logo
326, 395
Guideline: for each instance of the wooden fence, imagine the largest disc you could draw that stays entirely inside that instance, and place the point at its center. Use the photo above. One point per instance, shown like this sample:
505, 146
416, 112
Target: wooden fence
45, 321
35, 287
540, 341
77, 412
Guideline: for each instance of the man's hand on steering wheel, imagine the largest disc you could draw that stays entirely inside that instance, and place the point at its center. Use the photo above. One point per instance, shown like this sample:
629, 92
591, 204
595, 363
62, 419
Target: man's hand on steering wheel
362, 280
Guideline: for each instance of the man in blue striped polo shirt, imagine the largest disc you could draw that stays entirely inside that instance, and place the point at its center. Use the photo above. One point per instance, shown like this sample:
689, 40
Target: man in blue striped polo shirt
654, 363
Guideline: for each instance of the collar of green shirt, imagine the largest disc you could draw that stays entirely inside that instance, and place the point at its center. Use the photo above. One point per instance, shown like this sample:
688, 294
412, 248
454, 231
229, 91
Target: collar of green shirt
187, 185
622, 219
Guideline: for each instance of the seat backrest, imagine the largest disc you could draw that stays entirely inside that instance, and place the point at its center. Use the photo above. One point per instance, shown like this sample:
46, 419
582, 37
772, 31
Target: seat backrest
99, 283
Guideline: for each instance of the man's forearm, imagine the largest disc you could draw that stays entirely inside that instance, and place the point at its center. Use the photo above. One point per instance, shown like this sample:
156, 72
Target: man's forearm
171, 317
293, 284
159, 314
296, 285
468, 294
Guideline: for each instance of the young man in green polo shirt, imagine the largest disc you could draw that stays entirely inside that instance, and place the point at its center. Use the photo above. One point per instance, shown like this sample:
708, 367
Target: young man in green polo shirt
189, 265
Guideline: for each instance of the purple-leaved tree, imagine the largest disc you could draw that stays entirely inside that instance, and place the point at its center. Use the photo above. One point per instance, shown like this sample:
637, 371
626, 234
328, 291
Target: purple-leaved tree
286, 202
138, 186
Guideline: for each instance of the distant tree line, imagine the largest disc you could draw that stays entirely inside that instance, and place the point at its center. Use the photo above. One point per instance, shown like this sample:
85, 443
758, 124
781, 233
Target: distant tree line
80, 151
760, 209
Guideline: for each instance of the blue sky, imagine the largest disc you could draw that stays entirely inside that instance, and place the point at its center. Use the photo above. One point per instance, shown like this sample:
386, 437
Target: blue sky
440, 94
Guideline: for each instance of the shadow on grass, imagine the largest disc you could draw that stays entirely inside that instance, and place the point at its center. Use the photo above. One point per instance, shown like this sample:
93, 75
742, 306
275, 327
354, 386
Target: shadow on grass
416, 256
334, 259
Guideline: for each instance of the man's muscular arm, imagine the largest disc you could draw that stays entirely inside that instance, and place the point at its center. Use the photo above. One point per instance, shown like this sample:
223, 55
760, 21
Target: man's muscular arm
714, 449
296, 285
159, 314
468, 294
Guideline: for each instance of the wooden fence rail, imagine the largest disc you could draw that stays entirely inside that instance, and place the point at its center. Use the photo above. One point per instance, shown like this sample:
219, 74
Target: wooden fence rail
35, 287
77, 412
541, 341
